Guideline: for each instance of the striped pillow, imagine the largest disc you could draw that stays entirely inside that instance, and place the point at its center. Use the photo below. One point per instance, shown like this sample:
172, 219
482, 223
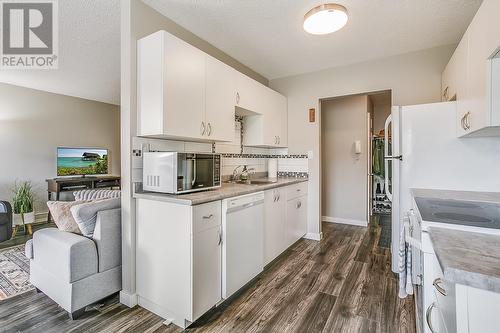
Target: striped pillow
89, 195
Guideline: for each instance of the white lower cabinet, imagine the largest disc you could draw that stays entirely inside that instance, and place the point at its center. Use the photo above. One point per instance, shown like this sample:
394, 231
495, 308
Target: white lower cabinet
458, 308
274, 224
296, 213
178, 259
483, 311
179, 250
285, 219
206, 269
296, 226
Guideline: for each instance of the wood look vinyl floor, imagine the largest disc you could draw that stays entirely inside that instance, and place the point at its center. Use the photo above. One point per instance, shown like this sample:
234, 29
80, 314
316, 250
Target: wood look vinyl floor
342, 284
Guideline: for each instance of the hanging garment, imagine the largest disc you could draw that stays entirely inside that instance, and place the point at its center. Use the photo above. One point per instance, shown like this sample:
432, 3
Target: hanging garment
378, 157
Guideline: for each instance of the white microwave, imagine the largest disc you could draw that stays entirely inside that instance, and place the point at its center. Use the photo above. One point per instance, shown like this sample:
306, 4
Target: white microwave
177, 173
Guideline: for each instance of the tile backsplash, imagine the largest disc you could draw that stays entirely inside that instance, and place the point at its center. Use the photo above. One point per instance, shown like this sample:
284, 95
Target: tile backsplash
233, 155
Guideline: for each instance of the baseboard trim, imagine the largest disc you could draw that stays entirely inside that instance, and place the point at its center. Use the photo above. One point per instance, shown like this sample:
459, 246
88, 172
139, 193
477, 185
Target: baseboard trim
330, 219
127, 299
41, 217
314, 236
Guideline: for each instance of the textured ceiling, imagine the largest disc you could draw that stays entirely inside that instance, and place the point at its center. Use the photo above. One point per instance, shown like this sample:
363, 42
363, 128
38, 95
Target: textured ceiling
89, 53
267, 35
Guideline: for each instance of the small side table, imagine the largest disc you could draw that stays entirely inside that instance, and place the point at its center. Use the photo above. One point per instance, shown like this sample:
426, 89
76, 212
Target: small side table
71, 184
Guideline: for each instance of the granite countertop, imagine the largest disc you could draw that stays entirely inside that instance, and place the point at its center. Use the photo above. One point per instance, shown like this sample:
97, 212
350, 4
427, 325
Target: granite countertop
228, 190
456, 195
468, 258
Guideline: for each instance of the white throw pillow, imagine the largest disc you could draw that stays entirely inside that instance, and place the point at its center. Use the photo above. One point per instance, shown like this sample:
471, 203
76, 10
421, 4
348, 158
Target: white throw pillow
85, 214
94, 194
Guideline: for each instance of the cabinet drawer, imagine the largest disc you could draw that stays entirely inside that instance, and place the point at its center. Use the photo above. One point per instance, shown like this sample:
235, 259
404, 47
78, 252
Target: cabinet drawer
444, 292
206, 216
296, 190
434, 319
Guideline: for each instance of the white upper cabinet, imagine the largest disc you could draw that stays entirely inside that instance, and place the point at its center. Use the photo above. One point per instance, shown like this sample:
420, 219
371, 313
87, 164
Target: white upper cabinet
249, 94
220, 90
468, 76
268, 126
182, 92
170, 87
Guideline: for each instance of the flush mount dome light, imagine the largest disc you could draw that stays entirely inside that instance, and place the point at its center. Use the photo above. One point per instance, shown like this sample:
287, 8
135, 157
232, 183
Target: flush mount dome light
325, 19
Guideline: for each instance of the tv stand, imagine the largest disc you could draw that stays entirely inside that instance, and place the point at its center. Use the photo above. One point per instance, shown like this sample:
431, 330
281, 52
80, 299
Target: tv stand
71, 184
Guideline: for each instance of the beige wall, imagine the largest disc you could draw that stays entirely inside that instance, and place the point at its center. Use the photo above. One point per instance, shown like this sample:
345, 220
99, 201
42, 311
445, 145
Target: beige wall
139, 20
414, 78
344, 173
34, 123
380, 113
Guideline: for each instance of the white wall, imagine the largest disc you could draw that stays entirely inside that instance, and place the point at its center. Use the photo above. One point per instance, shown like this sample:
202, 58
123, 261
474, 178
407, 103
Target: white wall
139, 20
414, 78
344, 173
34, 123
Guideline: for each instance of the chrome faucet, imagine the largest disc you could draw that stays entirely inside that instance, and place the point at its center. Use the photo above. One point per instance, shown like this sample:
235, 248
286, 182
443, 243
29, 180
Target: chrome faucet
235, 173
243, 175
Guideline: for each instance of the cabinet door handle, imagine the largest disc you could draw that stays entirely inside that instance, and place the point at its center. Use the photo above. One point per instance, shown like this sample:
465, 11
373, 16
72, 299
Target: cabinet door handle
208, 217
279, 140
209, 126
219, 232
436, 285
466, 120
279, 197
462, 122
237, 98
202, 128
275, 198
428, 314
299, 204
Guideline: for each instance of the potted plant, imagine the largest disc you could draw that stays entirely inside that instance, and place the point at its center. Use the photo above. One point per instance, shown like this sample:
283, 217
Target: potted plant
23, 204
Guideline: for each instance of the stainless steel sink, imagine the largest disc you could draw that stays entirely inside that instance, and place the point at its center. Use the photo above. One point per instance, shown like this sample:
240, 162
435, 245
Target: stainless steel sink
251, 182
262, 181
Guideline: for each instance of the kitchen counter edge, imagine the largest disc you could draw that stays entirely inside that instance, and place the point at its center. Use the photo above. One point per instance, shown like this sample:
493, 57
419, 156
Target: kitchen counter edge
227, 190
466, 266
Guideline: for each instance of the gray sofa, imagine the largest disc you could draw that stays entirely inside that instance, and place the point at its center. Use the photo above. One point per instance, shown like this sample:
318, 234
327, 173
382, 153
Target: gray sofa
76, 271
5, 221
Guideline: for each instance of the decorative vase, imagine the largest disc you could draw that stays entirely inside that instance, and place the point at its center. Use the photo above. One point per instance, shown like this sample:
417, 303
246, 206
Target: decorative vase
17, 219
29, 218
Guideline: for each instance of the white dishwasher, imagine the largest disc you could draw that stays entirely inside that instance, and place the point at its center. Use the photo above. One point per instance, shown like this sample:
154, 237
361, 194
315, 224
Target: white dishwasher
242, 241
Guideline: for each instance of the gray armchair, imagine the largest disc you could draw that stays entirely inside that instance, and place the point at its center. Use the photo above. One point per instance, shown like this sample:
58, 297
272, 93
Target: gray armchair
76, 271
5, 221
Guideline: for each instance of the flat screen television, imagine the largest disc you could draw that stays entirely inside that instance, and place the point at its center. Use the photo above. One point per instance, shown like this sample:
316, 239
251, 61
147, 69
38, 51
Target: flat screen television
81, 161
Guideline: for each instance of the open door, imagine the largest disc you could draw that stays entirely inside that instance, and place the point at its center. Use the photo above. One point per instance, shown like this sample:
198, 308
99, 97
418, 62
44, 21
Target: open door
392, 161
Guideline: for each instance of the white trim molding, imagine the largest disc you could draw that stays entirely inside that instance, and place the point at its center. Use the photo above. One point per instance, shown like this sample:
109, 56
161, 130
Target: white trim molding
314, 236
330, 219
127, 299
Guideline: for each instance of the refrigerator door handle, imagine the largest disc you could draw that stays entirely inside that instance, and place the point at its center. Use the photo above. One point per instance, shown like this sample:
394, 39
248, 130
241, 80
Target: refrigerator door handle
386, 155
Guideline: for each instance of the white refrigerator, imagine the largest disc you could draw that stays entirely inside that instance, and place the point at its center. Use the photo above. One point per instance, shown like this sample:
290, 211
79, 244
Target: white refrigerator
426, 153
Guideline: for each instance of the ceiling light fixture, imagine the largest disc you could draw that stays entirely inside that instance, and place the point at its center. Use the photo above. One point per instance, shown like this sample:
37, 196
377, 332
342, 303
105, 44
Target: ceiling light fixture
325, 19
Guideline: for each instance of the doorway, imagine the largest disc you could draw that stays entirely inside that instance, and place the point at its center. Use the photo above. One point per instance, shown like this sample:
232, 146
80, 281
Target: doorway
380, 205
352, 161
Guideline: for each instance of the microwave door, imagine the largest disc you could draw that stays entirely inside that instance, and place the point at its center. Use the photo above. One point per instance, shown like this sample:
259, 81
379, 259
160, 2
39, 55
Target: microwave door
204, 171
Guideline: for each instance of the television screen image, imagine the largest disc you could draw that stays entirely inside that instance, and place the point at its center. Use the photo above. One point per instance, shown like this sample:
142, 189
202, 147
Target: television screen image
81, 161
